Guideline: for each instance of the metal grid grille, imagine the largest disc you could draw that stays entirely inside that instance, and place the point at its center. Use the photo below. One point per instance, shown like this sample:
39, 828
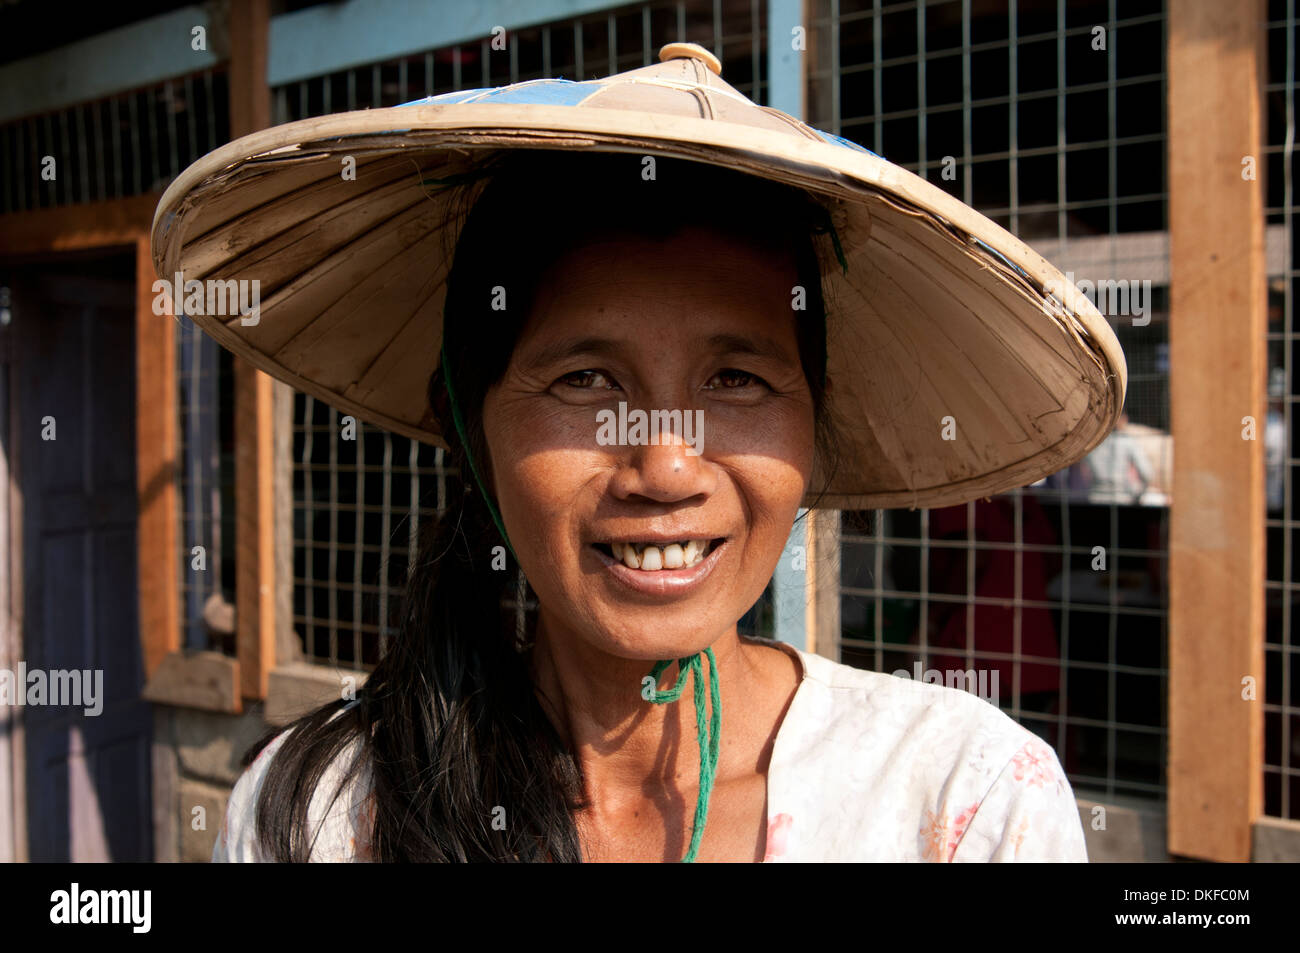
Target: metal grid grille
205, 490
360, 495
1282, 654
1009, 107
585, 48
130, 144
357, 504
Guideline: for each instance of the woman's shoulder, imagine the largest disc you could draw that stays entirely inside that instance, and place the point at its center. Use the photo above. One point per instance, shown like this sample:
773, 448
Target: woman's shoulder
934, 756
336, 813
861, 700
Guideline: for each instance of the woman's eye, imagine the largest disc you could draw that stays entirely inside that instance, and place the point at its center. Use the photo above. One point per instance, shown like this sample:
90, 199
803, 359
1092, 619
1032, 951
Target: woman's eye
731, 379
593, 380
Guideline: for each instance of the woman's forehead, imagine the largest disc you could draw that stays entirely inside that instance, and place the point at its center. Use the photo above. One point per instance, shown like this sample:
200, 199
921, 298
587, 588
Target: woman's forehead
646, 327
553, 345
694, 285
692, 240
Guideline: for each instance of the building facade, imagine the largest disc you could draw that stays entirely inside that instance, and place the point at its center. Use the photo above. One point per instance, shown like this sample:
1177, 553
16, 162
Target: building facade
229, 553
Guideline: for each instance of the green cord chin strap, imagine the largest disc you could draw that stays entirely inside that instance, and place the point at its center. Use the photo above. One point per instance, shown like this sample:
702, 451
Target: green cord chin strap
707, 737
708, 743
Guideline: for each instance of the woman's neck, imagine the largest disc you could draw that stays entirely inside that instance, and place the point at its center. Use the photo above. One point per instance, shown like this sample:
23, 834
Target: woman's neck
621, 741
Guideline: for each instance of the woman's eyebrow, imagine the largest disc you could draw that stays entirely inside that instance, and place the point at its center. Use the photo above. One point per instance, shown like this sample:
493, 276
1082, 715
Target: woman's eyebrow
568, 347
757, 345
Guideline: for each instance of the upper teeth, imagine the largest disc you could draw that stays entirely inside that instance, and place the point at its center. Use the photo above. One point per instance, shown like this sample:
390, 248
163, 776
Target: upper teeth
652, 557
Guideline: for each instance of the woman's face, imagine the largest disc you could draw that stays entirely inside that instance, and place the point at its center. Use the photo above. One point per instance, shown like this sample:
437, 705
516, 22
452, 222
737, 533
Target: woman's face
698, 325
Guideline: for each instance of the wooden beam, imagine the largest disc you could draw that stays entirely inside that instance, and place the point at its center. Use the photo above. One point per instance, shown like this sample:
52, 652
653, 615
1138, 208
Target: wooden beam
112, 61
78, 227
156, 450
331, 37
250, 96
1217, 378
254, 529
189, 679
301, 687
255, 525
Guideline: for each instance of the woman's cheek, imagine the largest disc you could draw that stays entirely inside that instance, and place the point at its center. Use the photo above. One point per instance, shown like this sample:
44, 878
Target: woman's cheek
543, 493
770, 453
543, 449
780, 427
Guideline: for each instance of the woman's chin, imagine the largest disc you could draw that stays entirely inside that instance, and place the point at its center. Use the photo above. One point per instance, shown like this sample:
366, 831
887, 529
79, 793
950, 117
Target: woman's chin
651, 639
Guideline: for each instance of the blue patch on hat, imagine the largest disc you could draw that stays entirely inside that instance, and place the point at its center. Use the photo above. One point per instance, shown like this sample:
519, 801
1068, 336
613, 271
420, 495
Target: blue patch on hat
848, 143
456, 97
1006, 261
540, 92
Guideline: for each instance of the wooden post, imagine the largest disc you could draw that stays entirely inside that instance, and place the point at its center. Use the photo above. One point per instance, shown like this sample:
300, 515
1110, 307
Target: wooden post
255, 526
288, 648
1217, 379
156, 449
254, 530
824, 575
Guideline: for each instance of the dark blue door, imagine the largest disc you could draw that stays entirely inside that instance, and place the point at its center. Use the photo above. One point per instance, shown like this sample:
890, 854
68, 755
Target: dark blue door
88, 772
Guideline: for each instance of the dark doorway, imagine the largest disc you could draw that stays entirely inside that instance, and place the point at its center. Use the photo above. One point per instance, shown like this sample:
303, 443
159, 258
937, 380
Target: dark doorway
71, 436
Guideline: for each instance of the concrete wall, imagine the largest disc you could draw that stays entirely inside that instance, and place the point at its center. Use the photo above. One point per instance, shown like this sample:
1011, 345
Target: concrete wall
197, 754
196, 762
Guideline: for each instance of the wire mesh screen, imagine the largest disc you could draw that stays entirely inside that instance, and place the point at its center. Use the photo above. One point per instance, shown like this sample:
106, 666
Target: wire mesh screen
205, 490
123, 145
1282, 528
358, 502
1052, 600
360, 497
584, 48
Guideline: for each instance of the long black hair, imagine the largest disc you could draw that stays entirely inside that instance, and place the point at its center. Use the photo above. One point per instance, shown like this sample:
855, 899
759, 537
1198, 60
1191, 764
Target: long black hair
448, 727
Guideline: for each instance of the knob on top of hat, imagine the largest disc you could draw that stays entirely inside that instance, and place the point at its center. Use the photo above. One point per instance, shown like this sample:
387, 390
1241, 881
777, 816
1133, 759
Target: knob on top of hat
693, 51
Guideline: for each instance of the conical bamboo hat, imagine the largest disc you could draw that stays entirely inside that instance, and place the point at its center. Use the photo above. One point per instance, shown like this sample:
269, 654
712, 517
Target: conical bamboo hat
939, 314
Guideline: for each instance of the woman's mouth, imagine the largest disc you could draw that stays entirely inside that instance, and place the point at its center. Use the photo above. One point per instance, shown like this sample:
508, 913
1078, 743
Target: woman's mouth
655, 557
659, 567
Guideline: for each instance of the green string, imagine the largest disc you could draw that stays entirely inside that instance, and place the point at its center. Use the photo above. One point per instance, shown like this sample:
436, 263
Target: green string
482, 170
827, 226
460, 178
708, 739
839, 250
708, 742
460, 429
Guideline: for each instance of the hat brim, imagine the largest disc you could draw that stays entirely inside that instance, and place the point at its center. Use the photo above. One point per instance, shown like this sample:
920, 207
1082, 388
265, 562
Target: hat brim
961, 363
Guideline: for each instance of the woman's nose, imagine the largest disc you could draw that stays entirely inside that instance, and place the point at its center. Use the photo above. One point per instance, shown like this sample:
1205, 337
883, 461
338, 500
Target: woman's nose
666, 472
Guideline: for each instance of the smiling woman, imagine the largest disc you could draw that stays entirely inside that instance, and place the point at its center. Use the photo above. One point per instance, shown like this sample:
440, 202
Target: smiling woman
660, 312
607, 301
707, 284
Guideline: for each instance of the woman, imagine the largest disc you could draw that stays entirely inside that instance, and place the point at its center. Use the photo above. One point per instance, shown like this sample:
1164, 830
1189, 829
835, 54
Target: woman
590, 289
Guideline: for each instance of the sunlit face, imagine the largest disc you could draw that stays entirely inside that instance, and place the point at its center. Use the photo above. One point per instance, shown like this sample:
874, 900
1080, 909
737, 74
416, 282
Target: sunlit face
698, 324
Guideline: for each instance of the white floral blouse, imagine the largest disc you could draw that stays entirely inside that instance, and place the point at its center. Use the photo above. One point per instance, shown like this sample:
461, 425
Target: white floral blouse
866, 767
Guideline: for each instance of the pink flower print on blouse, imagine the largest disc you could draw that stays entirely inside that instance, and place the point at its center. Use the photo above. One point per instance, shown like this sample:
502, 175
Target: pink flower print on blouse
363, 827
1034, 764
942, 834
1018, 838
777, 836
